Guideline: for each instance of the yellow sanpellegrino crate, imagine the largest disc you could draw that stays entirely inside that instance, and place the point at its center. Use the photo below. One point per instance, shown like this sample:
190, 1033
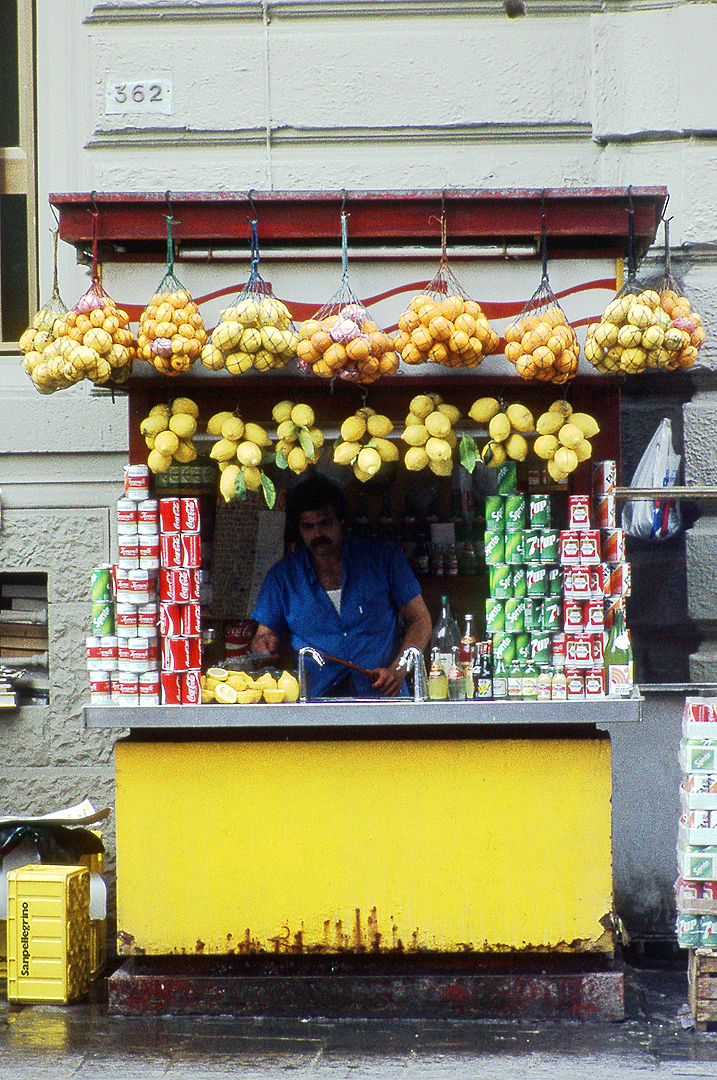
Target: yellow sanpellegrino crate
48, 933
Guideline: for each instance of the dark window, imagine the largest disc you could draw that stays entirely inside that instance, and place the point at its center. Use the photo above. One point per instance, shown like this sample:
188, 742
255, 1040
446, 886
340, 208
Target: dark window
23, 635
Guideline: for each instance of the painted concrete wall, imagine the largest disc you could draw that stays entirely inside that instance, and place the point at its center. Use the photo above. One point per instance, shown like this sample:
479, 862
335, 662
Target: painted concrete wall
324, 94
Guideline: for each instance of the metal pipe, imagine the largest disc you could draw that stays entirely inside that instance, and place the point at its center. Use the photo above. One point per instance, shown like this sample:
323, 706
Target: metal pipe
303, 693
412, 660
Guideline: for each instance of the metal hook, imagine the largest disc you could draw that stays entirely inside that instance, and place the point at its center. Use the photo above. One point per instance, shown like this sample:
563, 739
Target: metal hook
344, 196
56, 215
169, 204
253, 206
95, 207
667, 202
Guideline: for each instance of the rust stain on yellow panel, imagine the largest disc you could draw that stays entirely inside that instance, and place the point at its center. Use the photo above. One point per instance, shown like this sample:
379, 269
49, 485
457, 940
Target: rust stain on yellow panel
332, 846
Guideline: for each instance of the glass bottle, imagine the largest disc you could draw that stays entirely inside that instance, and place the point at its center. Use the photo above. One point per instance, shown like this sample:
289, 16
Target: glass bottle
450, 561
500, 679
483, 680
545, 680
456, 679
466, 654
437, 679
446, 636
530, 681
421, 557
467, 559
515, 680
559, 685
438, 563
618, 658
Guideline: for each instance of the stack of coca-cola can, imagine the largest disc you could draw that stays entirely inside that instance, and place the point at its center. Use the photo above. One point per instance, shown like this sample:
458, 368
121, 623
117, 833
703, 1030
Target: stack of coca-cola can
180, 630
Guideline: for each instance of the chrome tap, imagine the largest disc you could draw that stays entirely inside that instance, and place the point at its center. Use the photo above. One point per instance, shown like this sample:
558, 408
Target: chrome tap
412, 660
303, 693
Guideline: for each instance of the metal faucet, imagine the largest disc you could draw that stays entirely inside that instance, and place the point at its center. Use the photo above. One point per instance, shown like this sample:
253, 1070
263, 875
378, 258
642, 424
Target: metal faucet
303, 693
412, 660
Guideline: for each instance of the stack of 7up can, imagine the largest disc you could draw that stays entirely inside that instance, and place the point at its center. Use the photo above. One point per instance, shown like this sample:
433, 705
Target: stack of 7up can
552, 591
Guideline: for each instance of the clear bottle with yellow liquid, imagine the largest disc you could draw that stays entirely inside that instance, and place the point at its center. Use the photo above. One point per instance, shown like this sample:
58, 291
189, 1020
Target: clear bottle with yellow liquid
437, 679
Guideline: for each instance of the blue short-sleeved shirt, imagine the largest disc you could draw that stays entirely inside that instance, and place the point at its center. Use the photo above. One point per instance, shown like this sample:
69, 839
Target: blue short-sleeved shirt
377, 581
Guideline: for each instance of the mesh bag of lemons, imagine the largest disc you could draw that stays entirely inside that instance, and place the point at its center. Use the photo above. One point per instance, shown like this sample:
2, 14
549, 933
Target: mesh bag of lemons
239, 687
256, 332
444, 326
168, 431
541, 344
242, 451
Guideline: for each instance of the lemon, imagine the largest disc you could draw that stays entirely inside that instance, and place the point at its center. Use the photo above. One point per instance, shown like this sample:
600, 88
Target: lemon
561, 406
566, 459
225, 449
152, 425
287, 430
227, 482
549, 423
499, 427
555, 472
185, 452
252, 477
353, 429
369, 460
387, 449
282, 411
520, 418
237, 680
249, 696
303, 415
185, 405
379, 426
493, 454
225, 694
437, 424
183, 425
289, 684
360, 475
317, 436
212, 357
218, 673
484, 409
583, 450
450, 411
208, 696
232, 428
346, 452
274, 696
256, 434
365, 411
421, 406
157, 462
416, 435
441, 468
570, 435
416, 459
545, 446
248, 453
214, 423
516, 447
587, 424
297, 459
166, 442
438, 449
157, 410
267, 679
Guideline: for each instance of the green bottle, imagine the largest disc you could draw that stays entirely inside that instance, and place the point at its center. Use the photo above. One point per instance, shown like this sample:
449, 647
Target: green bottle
515, 681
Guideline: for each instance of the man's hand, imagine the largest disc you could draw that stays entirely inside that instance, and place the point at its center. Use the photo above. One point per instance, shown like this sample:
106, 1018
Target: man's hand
265, 641
389, 681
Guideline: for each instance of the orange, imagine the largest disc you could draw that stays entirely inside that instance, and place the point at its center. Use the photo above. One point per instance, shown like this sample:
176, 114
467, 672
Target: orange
358, 349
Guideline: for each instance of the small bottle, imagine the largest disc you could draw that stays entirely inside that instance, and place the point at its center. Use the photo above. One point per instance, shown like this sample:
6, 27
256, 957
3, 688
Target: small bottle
421, 557
500, 679
559, 685
437, 679
450, 561
515, 681
544, 685
467, 559
456, 679
483, 680
438, 565
466, 654
446, 636
530, 682
618, 658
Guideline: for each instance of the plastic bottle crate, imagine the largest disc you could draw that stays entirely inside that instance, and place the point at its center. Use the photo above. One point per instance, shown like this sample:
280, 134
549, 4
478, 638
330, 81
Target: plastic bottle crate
48, 933
702, 987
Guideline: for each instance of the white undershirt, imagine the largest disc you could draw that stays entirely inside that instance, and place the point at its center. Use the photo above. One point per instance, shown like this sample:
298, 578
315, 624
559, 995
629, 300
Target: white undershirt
334, 596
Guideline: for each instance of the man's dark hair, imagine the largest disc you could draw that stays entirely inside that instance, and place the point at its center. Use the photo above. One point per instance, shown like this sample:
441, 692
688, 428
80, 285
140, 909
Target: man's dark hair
314, 493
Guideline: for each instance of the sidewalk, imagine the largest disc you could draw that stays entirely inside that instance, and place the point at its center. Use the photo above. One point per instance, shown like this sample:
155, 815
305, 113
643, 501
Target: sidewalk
83, 1042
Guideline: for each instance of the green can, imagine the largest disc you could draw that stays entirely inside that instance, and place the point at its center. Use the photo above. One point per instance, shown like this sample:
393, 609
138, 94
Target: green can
101, 582
507, 478
708, 931
494, 546
533, 613
519, 584
103, 618
539, 510
555, 581
514, 513
531, 545
522, 647
549, 545
494, 615
504, 648
515, 615
553, 614
536, 579
513, 551
500, 579
688, 931
494, 512
540, 647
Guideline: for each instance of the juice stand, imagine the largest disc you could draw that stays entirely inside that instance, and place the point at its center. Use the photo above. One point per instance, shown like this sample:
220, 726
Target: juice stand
441, 857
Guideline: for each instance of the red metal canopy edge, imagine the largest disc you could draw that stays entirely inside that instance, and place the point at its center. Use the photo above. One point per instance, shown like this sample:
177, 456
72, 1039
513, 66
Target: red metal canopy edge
592, 222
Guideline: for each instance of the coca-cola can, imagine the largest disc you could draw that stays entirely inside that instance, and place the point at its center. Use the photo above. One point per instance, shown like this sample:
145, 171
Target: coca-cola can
195, 653
612, 546
604, 477
170, 517
170, 549
557, 650
171, 688
595, 682
149, 551
620, 579
594, 616
148, 516
578, 512
149, 688
576, 683
195, 585
572, 616
128, 551
604, 510
189, 514
191, 620
569, 547
174, 584
175, 654
170, 619
127, 516
191, 688
136, 482
191, 550
590, 547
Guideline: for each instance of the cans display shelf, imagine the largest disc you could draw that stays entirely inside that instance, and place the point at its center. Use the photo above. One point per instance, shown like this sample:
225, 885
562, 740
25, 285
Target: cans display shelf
375, 713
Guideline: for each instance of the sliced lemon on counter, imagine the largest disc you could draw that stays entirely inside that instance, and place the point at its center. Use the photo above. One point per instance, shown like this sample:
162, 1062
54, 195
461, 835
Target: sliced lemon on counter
207, 696
225, 694
249, 696
218, 673
273, 695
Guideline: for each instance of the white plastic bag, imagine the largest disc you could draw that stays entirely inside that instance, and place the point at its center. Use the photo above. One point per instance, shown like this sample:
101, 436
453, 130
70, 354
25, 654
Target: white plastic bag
654, 519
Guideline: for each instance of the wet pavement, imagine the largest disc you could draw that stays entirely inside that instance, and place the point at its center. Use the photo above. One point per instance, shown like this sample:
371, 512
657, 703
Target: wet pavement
82, 1041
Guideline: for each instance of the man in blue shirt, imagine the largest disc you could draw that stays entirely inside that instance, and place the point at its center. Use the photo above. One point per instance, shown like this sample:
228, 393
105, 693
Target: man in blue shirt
343, 596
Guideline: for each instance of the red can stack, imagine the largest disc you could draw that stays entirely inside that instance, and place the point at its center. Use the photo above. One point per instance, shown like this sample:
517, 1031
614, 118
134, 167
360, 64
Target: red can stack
179, 600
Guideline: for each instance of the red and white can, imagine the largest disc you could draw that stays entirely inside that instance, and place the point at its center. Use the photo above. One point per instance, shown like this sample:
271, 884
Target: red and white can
598, 652
92, 651
597, 589
100, 687
595, 682
604, 477
171, 688
109, 650
191, 550
612, 547
149, 551
139, 586
191, 688
127, 516
578, 651
578, 512
174, 584
709, 890
576, 582
147, 617
604, 510
126, 620
115, 685
590, 547
170, 549
613, 604
557, 650
170, 619
191, 620
594, 616
195, 584
692, 890
128, 688
148, 516
576, 683
189, 514
149, 688
238, 637
128, 551
569, 547
175, 654
620, 579
136, 482
170, 518
572, 616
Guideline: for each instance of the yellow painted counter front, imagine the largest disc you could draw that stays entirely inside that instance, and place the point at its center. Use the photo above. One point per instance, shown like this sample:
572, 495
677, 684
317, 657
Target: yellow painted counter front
439, 844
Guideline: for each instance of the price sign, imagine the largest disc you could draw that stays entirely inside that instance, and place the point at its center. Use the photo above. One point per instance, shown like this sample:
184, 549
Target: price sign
141, 95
